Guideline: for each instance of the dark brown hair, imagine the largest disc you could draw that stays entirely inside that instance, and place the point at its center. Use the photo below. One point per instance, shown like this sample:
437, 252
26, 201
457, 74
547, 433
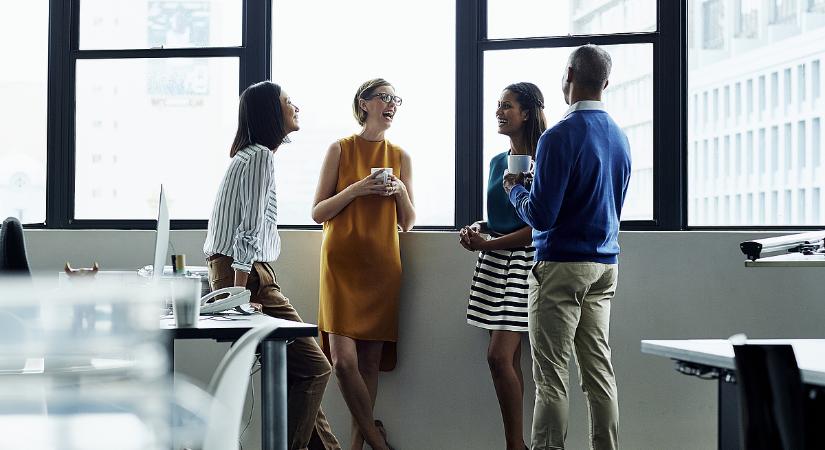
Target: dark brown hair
363, 93
260, 118
530, 98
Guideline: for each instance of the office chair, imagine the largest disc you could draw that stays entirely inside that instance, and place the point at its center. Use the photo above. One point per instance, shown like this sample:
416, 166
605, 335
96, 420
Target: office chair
228, 388
772, 397
13, 259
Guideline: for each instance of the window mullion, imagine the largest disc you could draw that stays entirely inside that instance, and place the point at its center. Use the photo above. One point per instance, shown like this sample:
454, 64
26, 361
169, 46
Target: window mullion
469, 76
255, 60
669, 103
58, 197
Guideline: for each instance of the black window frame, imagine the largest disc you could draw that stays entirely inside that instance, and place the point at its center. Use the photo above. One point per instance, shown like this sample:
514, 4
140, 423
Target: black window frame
669, 76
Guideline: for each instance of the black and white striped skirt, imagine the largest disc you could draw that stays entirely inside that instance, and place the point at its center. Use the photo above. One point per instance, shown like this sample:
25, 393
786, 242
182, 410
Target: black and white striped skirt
498, 295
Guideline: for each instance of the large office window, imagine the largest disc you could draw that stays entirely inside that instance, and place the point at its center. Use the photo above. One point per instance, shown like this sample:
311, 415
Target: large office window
144, 92
410, 45
146, 122
156, 94
628, 98
24, 43
774, 48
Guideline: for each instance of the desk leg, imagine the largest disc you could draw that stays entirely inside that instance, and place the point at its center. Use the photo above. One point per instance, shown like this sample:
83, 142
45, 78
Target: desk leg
170, 353
729, 414
169, 344
273, 395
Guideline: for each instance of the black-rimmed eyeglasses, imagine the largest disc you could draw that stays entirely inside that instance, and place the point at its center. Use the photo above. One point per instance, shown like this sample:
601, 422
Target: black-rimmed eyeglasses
386, 98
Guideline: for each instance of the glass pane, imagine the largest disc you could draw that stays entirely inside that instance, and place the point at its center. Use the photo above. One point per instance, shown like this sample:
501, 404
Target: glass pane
419, 65
766, 171
532, 18
143, 122
125, 24
628, 97
23, 89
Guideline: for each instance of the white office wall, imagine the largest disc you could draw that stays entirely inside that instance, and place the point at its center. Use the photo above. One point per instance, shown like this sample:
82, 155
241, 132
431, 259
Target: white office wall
671, 285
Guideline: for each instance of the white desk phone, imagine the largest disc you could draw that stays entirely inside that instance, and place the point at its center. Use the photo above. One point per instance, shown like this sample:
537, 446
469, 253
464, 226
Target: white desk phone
237, 296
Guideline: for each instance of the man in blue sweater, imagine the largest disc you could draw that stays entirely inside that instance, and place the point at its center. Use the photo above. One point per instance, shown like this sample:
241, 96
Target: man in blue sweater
582, 171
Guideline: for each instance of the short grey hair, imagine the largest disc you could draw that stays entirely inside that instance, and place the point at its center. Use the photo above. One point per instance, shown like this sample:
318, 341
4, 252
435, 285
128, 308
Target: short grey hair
591, 66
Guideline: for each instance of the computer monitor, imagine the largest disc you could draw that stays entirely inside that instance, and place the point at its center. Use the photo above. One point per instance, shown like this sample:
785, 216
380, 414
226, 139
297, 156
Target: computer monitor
161, 237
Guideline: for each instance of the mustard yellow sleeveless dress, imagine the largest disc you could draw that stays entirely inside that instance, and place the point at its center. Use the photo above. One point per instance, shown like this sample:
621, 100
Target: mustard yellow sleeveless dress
360, 259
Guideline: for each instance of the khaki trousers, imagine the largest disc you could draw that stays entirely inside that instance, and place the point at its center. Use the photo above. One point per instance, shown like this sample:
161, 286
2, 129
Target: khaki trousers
307, 368
569, 314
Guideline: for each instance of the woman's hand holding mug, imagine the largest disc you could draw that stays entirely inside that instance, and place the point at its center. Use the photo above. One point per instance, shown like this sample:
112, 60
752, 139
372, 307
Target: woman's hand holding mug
370, 185
394, 185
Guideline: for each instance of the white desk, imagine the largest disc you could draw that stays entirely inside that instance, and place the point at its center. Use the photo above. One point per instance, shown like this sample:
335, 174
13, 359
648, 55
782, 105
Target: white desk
810, 354
100, 431
273, 362
38, 365
714, 359
788, 260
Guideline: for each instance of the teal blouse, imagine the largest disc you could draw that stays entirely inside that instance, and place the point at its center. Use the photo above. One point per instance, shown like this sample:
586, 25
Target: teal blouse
501, 215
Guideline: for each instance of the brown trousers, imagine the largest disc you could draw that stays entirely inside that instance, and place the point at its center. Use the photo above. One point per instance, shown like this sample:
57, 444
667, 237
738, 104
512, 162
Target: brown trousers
307, 368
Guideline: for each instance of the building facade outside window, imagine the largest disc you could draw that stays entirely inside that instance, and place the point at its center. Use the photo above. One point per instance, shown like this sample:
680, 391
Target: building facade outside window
788, 52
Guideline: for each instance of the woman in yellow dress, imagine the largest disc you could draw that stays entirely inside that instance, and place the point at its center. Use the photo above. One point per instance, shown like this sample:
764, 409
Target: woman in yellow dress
362, 211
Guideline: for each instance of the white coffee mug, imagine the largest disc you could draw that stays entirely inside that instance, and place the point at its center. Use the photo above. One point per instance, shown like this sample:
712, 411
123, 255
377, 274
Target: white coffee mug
385, 171
518, 163
186, 301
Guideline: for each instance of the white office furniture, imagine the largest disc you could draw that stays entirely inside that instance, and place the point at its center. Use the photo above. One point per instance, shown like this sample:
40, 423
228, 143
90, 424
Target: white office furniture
788, 260
714, 359
228, 388
273, 361
88, 431
90, 369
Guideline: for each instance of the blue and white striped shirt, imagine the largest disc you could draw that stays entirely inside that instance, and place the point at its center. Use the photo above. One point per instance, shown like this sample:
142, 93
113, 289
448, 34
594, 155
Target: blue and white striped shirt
244, 222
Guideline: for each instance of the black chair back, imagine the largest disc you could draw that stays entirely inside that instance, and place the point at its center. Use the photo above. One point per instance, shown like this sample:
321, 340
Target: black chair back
772, 397
13, 259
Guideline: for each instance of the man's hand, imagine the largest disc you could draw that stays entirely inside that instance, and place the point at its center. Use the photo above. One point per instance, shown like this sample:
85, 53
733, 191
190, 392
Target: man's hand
510, 180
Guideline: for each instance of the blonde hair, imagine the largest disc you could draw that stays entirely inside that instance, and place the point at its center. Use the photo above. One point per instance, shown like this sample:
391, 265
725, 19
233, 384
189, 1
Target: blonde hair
363, 93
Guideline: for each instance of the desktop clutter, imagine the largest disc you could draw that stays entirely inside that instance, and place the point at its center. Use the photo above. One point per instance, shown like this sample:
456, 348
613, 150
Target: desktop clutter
189, 295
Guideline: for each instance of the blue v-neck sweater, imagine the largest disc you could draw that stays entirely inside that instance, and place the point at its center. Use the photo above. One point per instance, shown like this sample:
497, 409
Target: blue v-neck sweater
581, 178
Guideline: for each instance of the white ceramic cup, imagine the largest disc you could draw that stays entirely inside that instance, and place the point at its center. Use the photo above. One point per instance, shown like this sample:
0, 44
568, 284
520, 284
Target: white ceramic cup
518, 163
385, 171
186, 301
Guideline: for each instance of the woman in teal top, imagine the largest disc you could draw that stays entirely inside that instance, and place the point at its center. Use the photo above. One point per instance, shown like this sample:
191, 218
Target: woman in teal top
498, 293
501, 216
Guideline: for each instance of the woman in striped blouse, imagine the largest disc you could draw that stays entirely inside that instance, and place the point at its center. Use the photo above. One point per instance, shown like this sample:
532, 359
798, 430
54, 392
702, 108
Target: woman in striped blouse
498, 294
242, 243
